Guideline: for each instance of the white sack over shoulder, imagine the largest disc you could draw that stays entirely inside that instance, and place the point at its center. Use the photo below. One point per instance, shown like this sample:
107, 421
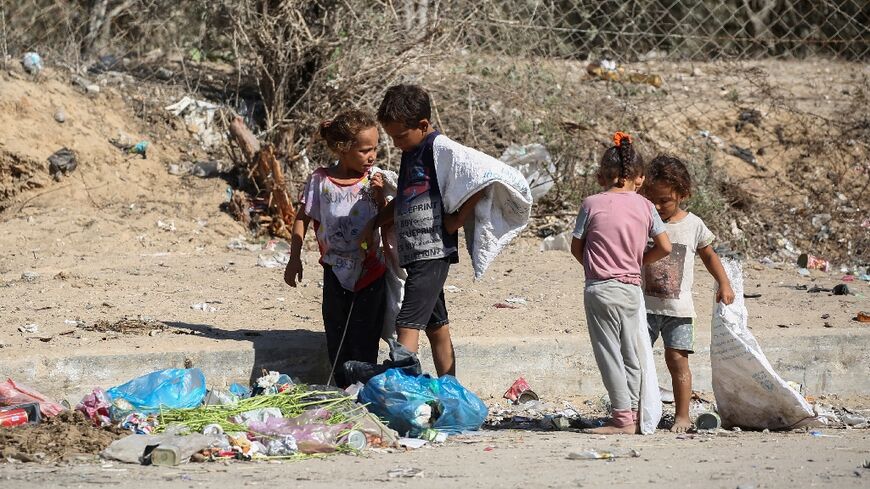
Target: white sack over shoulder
650, 408
395, 275
749, 393
500, 215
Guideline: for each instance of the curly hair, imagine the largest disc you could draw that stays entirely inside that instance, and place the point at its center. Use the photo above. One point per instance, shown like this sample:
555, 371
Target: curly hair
621, 161
340, 132
671, 171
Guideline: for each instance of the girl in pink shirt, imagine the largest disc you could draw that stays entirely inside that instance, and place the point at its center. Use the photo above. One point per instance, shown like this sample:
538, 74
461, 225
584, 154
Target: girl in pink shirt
610, 241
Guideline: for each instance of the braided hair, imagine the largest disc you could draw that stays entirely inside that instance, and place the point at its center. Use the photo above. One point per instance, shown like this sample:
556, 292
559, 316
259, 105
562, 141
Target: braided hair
620, 162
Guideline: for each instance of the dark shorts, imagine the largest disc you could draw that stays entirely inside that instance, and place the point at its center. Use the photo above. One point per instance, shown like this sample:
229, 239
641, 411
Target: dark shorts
677, 333
423, 305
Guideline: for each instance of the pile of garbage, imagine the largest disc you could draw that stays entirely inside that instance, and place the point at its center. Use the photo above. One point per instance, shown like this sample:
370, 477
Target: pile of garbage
169, 417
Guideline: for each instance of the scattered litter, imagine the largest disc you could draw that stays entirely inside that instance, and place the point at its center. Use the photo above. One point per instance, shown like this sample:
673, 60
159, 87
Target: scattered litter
29, 329
166, 226
747, 116
405, 473
813, 262
863, 317
746, 155
601, 454
32, 63
62, 162
516, 300
140, 148
708, 421
278, 260
13, 393
502, 305
164, 389
536, 165
804, 273
241, 243
520, 392
607, 70
558, 242
204, 306
452, 289
29, 277
412, 443
841, 289
199, 116
60, 116
407, 401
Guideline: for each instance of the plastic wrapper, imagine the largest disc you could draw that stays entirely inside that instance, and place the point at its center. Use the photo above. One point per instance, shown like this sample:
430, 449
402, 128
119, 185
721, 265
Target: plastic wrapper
13, 393
309, 431
171, 388
399, 398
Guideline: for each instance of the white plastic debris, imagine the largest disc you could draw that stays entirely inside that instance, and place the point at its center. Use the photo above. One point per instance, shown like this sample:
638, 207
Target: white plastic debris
29, 277
277, 260
32, 63
535, 163
199, 116
166, 226
29, 328
558, 242
203, 306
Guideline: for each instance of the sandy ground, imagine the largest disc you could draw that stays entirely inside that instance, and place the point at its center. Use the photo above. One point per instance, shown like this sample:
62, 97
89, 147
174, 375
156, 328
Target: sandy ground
513, 458
113, 263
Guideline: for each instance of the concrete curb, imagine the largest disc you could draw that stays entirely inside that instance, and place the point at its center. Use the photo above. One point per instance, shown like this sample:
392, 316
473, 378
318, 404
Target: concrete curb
554, 366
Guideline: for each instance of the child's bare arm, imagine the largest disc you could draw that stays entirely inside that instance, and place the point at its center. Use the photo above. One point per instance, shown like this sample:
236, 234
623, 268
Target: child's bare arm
713, 264
661, 248
293, 272
452, 222
577, 245
386, 215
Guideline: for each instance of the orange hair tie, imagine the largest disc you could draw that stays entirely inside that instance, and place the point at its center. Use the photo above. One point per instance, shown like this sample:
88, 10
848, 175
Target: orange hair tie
619, 137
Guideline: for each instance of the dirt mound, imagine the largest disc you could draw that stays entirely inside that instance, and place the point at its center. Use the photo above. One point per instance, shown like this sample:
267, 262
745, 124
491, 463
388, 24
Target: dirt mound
18, 174
62, 438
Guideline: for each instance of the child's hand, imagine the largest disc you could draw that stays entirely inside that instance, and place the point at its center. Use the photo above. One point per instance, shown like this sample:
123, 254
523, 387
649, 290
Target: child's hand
293, 272
725, 295
377, 182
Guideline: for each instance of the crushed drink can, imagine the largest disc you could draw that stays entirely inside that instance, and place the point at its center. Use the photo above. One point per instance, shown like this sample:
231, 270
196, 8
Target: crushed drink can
357, 440
13, 417
811, 262
708, 421
520, 392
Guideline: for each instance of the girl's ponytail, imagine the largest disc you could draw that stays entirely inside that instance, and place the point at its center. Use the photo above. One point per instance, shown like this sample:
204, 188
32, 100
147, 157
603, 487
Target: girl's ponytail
622, 141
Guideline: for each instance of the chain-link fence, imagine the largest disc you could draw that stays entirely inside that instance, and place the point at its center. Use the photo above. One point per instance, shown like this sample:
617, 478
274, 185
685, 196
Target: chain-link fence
676, 29
767, 100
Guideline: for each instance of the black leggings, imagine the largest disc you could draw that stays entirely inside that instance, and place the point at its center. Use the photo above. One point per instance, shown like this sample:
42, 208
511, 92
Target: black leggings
364, 328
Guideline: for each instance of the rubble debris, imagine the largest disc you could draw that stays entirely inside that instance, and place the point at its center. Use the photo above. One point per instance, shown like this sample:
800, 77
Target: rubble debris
62, 162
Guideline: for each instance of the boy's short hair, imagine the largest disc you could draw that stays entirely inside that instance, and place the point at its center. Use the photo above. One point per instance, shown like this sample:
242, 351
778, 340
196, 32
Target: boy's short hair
406, 104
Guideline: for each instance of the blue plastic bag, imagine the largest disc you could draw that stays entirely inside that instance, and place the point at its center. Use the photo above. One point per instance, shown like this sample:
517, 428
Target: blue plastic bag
171, 388
400, 399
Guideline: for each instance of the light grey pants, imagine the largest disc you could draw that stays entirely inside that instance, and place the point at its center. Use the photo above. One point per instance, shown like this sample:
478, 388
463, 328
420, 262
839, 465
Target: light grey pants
612, 315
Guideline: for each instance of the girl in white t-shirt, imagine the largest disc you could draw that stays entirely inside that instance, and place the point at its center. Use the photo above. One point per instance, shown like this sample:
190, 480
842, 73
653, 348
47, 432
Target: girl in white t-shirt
342, 200
667, 283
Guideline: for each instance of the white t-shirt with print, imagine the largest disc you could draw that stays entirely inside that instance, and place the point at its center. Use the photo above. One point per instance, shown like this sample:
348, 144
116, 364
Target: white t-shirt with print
341, 213
667, 283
